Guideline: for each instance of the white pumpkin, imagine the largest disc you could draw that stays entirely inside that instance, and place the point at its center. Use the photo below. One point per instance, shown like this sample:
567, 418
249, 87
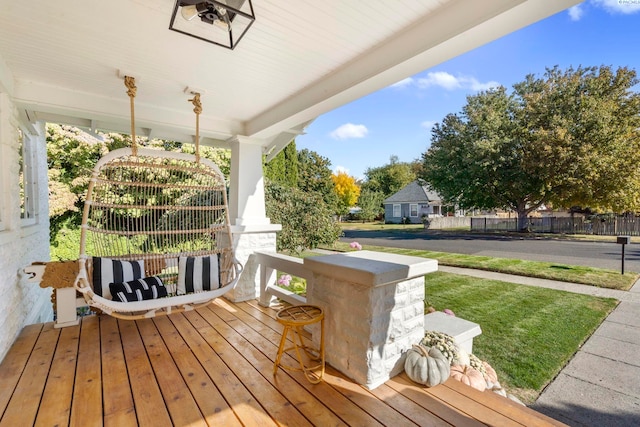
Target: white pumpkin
426, 366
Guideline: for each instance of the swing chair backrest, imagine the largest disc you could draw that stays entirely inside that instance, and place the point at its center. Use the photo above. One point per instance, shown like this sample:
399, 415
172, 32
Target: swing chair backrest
156, 206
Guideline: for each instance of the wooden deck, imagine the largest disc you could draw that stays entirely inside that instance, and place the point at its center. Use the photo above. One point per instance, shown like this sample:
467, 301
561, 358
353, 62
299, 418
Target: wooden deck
211, 367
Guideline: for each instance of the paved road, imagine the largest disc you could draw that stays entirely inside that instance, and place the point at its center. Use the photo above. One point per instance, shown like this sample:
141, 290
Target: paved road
573, 252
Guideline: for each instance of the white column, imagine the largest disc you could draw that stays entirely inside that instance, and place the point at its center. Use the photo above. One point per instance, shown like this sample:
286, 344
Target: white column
251, 228
246, 193
374, 310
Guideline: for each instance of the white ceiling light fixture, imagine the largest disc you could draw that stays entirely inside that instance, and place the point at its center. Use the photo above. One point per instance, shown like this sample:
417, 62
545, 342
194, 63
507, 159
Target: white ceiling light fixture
221, 22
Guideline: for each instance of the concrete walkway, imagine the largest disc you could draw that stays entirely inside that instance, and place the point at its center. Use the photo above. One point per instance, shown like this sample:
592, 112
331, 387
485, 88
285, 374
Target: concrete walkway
600, 386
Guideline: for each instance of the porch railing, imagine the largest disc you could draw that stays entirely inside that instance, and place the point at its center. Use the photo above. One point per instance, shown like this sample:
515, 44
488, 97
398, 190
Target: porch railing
270, 263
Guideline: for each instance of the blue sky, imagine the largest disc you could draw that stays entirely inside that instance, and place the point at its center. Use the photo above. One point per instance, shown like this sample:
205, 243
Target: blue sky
397, 120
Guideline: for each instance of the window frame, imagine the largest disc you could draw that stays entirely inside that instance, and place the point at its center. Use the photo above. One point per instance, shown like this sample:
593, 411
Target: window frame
397, 210
29, 190
413, 206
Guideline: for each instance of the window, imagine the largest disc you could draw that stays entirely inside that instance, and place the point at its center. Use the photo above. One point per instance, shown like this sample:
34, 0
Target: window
413, 210
436, 210
396, 211
27, 179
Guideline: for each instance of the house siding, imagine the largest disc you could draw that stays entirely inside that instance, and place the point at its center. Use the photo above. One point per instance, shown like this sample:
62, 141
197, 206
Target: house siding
405, 211
22, 303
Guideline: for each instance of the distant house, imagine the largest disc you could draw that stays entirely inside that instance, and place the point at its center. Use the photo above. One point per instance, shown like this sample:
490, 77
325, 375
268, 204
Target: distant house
412, 202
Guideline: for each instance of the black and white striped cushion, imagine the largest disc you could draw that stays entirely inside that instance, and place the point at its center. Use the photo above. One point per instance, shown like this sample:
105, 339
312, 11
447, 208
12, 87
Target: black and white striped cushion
138, 290
107, 270
197, 274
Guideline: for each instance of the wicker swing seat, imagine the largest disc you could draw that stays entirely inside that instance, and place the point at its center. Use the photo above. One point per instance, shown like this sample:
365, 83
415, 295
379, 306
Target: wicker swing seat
155, 233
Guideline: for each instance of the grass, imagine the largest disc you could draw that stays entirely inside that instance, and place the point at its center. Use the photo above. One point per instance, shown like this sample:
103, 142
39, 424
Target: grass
528, 333
592, 276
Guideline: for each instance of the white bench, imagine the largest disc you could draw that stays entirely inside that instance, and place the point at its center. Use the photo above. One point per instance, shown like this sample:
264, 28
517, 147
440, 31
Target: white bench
462, 330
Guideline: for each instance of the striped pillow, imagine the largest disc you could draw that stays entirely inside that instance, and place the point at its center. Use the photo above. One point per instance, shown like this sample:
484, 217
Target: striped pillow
107, 270
138, 290
197, 274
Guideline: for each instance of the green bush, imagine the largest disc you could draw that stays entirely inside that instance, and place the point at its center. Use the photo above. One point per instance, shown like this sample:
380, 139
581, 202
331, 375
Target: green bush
306, 220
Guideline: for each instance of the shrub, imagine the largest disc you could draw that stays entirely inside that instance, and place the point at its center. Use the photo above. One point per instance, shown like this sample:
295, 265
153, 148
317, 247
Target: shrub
306, 220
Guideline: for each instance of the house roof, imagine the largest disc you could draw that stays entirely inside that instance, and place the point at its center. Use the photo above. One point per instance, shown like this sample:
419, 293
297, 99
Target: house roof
414, 192
60, 60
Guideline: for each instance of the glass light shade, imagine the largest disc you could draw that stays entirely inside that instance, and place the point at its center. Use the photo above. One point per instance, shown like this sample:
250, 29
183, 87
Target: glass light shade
222, 22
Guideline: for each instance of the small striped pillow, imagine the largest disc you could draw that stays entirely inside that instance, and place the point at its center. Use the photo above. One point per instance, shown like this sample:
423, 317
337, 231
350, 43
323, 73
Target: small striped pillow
107, 270
199, 273
138, 290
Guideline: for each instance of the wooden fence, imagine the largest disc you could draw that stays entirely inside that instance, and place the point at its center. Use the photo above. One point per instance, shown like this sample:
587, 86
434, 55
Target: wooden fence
609, 226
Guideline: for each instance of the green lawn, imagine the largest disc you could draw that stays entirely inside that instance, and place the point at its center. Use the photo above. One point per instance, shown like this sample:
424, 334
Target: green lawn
600, 277
528, 333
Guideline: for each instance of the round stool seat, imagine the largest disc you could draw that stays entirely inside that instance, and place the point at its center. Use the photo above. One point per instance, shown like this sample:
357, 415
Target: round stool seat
300, 315
293, 319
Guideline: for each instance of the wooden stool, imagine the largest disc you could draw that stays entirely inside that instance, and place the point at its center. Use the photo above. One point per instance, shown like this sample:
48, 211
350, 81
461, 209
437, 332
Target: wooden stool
293, 319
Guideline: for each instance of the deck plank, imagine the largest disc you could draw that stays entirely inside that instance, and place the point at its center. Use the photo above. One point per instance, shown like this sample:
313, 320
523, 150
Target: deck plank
344, 408
245, 406
388, 414
15, 362
269, 397
408, 407
469, 406
180, 403
437, 407
213, 366
87, 392
150, 405
505, 406
313, 409
58, 392
119, 409
209, 399
23, 406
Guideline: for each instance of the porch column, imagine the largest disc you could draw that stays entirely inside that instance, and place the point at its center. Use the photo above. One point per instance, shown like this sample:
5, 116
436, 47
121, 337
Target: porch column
374, 310
251, 228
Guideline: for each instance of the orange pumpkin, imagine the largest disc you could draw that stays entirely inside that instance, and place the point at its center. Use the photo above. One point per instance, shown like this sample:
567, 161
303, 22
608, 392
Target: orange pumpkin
469, 376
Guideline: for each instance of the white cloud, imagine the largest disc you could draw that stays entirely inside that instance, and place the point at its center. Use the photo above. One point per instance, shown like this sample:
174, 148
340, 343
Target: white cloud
439, 78
403, 83
428, 124
576, 12
450, 82
349, 130
339, 169
474, 84
625, 7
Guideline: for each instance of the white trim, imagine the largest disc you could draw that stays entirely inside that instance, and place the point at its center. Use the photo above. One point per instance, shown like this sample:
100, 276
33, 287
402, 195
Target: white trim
411, 205
5, 138
399, 208
29, 200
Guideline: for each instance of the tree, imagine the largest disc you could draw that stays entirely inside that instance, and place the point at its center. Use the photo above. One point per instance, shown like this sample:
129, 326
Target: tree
314, 175
370, 203
283, 168
390, 178
569, 138
347, 191
306, 221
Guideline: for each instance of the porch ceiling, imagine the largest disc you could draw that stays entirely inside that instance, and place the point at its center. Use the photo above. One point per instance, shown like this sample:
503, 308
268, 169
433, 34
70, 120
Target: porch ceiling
59, 60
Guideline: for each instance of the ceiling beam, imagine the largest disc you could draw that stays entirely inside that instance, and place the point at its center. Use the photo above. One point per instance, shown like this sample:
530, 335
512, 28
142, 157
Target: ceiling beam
112, 114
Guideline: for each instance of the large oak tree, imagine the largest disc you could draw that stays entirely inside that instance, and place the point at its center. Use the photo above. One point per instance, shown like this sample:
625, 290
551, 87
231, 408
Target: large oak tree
568, 138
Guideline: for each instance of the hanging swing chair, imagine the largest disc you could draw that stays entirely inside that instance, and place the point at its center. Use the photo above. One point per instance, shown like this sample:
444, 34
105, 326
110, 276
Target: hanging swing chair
155, 236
